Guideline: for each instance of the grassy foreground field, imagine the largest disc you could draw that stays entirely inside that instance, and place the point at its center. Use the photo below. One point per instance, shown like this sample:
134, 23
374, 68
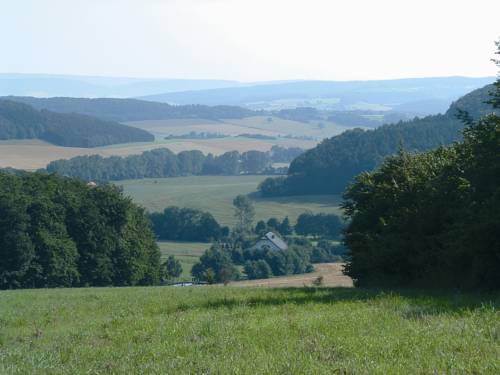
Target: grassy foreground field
225, 330
216, 193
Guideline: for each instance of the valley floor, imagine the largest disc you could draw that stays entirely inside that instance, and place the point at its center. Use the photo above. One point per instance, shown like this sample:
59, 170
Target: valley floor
228, 330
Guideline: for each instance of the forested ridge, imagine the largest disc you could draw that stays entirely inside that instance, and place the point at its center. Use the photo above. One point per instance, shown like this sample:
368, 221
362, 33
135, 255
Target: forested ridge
59, 232
330, 166
132, 109
21, 121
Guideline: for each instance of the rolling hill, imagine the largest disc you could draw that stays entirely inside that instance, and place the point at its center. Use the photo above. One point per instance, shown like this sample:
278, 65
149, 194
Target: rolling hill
47, 85
114, 109
330, 166
339, 95
21, 121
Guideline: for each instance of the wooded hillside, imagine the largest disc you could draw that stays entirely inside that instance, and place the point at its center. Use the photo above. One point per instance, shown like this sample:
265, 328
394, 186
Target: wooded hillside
21, 121
329, 167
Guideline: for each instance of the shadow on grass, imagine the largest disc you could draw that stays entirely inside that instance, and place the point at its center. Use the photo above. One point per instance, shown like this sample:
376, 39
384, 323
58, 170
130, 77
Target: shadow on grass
411, 304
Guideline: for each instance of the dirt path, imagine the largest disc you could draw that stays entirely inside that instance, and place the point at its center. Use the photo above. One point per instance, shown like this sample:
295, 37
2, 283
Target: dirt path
331, 272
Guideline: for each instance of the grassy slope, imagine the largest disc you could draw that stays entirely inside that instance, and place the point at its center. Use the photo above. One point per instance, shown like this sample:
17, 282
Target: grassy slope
216, 193
224, 330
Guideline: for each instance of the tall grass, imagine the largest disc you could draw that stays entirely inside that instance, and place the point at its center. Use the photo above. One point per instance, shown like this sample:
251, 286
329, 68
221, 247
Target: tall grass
224, 330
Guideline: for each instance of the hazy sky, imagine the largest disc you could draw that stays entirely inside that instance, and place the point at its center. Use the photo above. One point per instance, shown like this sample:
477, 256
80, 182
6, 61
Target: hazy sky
250, 39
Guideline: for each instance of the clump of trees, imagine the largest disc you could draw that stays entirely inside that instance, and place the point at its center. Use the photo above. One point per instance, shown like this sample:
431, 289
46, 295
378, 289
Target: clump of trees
324, 225
59, 232
186, 224
164, 163
432, 218
274, 225
215, 266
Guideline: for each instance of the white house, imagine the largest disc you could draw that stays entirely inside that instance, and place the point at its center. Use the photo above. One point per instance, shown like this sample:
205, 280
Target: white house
272, 241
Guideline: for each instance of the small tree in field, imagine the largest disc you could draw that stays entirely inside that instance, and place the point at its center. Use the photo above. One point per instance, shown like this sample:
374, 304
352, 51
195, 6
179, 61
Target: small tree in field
244, 212
172, 268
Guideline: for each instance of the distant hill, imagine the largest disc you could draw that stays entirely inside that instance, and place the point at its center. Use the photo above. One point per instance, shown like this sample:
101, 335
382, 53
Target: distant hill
132, 109
21, 121
330, 166
47, 85
435, 92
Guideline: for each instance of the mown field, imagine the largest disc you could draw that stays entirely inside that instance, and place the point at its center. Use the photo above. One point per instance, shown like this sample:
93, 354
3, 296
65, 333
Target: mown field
226, 330
216, 193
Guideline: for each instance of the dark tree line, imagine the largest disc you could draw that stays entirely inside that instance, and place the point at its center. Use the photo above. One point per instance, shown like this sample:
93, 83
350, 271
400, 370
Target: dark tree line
324, 225
59, 232
332, 165
20, 121
431, 219
132, 109
164, 163
186, 224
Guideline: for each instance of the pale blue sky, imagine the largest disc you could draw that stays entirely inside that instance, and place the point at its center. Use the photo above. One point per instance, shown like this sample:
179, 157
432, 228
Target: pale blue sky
250, 40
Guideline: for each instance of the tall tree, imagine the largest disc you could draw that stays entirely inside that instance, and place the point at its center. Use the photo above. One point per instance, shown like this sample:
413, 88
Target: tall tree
244, 212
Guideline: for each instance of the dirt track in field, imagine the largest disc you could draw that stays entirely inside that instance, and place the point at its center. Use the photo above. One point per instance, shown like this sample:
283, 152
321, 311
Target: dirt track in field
331, 272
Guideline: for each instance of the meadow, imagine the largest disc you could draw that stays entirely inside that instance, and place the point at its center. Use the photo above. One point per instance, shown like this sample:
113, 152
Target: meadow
215, 194
227, 330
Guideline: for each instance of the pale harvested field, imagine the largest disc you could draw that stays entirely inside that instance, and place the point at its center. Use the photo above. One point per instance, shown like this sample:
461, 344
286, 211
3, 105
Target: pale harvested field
251, 125
331, 272
35, 154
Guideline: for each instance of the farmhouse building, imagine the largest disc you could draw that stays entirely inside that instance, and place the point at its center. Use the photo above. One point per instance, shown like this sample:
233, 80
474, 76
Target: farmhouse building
272, 241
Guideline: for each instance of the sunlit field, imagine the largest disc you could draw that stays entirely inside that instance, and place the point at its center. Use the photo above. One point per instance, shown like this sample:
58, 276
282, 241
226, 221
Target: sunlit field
227, 330
215, 194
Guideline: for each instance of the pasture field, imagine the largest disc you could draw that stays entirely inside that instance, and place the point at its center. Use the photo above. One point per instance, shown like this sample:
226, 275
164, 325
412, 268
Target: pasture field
216, 193
187, 253
34, 154
228, 330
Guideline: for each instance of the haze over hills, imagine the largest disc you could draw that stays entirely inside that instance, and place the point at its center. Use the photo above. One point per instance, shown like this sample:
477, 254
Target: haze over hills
416, 96
49, 85
116, 109
437, 93
330, 166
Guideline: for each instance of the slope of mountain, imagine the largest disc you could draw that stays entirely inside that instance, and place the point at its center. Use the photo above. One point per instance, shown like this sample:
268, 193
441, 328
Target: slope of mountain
21, 121
131, 109
46, 85
330, 166
348, 94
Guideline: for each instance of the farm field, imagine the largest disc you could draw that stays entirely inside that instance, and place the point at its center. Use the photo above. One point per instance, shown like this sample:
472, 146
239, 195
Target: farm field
33, 154
273, 126
216, 193
229, 330
187, 253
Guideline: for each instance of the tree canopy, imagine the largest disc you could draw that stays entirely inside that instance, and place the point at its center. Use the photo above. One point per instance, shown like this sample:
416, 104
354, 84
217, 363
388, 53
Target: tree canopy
59, 232
430, 219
